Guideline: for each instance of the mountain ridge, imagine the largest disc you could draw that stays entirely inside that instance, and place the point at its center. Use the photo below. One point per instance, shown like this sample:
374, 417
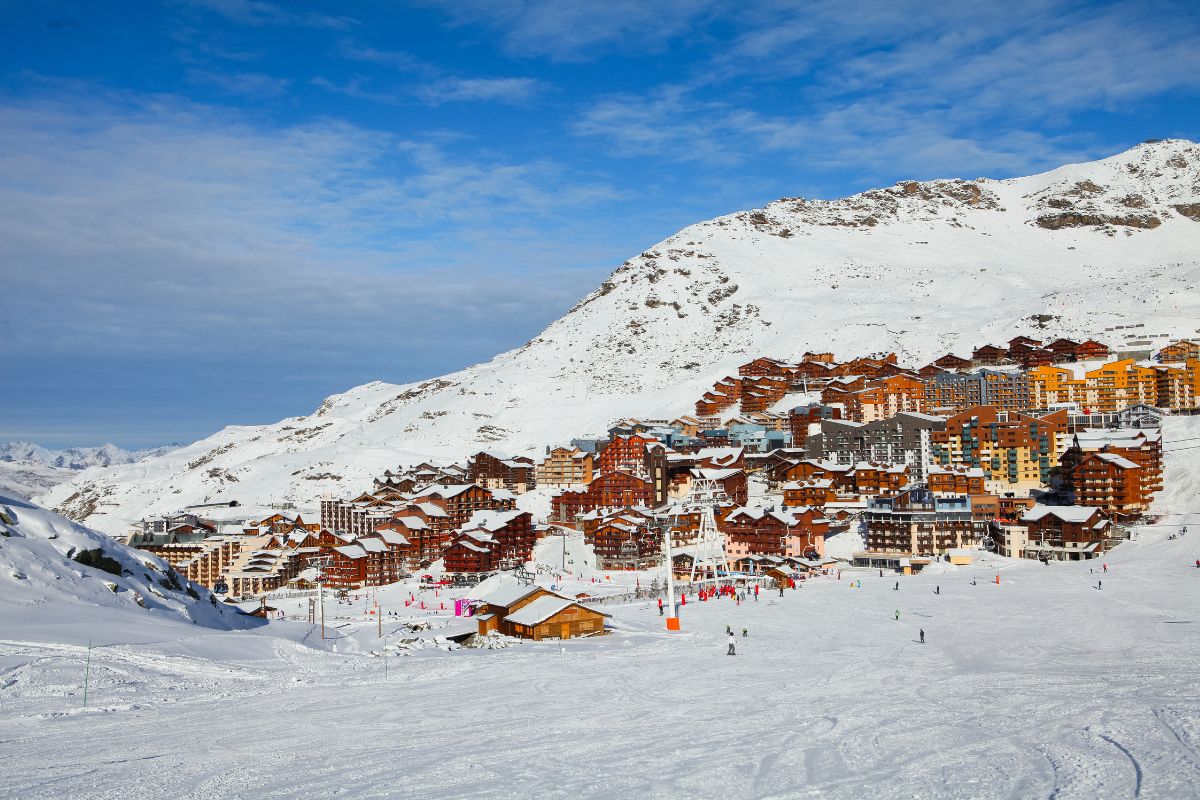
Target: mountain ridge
919, 268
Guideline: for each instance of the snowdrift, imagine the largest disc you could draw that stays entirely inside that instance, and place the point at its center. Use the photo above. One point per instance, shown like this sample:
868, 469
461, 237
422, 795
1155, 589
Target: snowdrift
50, 591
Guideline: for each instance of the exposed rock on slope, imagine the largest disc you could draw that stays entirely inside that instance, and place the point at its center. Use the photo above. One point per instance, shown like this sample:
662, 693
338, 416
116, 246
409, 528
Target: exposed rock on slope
921, 268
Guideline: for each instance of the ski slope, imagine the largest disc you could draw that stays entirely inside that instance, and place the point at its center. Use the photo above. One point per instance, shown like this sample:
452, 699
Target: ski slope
1039, 686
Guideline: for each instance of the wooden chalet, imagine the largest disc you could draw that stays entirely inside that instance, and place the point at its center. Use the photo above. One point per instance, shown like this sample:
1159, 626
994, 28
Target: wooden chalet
952, 362
989, 355
1065, 533
516, 474
531, 612
797, 532
1063, 350
611, 490
1091, 350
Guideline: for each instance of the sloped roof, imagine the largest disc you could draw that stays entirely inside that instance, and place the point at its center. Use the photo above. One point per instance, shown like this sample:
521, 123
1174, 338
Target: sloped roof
1064, 513
542, 609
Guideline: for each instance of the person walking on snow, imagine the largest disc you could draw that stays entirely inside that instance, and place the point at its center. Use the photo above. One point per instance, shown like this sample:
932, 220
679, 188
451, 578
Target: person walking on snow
897, 615
897, 586
745, 632
732, 645
922, 636
660, 607
937, 590
729, 630
1106, 567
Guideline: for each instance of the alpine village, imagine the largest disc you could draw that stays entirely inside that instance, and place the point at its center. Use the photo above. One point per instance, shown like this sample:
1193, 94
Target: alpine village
1032, 449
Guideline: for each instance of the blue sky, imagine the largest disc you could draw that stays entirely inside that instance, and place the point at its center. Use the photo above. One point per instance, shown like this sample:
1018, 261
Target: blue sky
221, 211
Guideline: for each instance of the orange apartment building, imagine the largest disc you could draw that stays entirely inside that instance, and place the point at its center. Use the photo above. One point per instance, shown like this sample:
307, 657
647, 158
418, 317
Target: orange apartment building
565, 466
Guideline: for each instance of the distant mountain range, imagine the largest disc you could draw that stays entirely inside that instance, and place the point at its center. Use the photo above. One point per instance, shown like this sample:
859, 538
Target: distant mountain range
27, 469
920, 268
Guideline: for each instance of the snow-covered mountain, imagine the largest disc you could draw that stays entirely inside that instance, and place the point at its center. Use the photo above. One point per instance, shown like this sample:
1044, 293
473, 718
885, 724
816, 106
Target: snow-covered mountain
920, 268
27, 469
47, 594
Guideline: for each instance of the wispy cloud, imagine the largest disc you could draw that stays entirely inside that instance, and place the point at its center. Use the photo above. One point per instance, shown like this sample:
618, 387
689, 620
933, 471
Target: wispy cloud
306, 242
576, 30
514, 91
260, 13
246, 84
951, 90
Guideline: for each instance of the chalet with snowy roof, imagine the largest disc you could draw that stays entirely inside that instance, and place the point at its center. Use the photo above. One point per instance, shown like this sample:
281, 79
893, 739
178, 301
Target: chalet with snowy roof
460, 501
918, 522
1141, 446
721, 458
532, 612
516, 473
989, 355
626, 542
395, 480
1178, 352
872, 479
491, 540
732, 481
1091, 350
756, 530
611, 490
1023, 342
1063, 350
952, 362
759, 394
814, 492
1065, 533
953, 480
1111, 482
626, 453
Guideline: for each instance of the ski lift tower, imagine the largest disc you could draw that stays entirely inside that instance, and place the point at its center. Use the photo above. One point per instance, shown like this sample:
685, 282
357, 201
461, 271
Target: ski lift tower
703, 498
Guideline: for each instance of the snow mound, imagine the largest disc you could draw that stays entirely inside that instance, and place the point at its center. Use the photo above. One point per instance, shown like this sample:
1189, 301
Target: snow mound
63, 582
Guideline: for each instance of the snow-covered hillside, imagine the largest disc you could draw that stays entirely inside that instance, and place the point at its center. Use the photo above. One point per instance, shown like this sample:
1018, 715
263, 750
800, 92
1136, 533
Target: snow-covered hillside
27, 469
919, 268
46, 594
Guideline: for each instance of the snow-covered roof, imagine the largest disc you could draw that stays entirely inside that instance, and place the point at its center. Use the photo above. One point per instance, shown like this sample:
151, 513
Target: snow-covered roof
506, 595
1064, 513
1117, 460
542, 609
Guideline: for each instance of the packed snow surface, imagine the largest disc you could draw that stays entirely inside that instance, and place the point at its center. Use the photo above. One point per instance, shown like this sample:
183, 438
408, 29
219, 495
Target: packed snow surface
1046, 684
918, 268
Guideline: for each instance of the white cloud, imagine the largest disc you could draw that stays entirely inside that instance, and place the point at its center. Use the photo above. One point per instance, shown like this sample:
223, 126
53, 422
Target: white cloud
515, 91
170, 229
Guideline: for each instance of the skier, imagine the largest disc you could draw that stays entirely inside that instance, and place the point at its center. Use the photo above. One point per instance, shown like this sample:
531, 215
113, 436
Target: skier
922, 636
732, 645
1099, 584
897, 586
729, 630
897, 615
937, 590
1198, 563
745, 632
660, 607
972, 581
